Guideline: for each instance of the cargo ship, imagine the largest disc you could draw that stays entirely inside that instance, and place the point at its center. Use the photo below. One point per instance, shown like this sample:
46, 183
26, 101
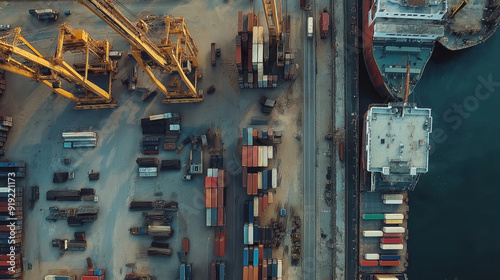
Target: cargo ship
469, 23
398, 39
395, 152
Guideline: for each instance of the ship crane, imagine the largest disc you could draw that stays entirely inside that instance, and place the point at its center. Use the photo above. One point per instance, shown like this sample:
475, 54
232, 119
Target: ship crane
274, 21
18, 56
458, 8
175, 52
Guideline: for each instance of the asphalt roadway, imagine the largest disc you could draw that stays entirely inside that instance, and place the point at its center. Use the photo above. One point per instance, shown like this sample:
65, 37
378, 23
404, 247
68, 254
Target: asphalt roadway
309, 220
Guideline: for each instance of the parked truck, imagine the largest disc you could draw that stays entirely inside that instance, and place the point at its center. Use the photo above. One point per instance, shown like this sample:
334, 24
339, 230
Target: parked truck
324, 22
45, 14
75, 216
78, 244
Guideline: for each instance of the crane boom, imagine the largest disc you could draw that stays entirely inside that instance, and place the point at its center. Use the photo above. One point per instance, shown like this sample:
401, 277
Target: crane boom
273, 17
166, 56
30, 63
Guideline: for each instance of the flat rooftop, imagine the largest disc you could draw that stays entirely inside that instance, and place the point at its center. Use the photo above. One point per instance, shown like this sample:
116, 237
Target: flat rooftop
397, 139
412, 6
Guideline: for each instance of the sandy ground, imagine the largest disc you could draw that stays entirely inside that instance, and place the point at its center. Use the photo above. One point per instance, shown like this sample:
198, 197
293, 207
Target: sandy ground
40, 117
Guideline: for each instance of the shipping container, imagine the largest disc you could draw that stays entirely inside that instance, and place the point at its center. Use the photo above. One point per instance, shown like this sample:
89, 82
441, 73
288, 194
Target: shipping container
264, 180
250, 272
368, 263
255, 33
265, 202
255, 273
389, 263
385, 277
185, 245
214, 216
397, 240
256, 257
245, 177
393, 234
255, 183
220, 216
373, 216
213, 197
250, 137
255, 206
208, 217
393, 201
274, 178
250, 234
245, 256
182, 272
391, 246
250, 216
390, 257
249, 183
393, 229
259, 180
220, 197
222, 250
280, 269
261, 253
255, 154
244, 158
270, 152
373, 233
210, 173
264, 270
208, 198
245, 234
238, 57
270, 198
250, 22
245, 273
394, 216
260, 38
393, 196
324, 22
372, 256
310, 27
250, 154
393, 222
261, 205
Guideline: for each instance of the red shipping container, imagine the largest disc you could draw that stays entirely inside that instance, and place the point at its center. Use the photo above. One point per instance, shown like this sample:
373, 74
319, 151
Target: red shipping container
220, 216
261, 253
393, 234
220, 197
214, 182
261, 206
264, 201
255, 181
7, 258
208, 198
208, 182
238, 55
185, 245
214, 197
250, 184
245, 174
255, 154
221, 183
250, 156
240, 21
217, 245
213, 270
250, 23
87, 277
392, 240
222, 250
389, 263
244, 159
369, 263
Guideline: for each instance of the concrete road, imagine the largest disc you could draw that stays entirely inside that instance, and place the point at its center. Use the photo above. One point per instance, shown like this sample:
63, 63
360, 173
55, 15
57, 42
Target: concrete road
309, 228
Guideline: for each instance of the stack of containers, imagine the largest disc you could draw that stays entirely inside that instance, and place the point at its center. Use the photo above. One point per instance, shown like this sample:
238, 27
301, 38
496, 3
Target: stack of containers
255, 266
3, 86
79, 139
260, 55
218, 270
220, 243
5, 125
150, 145
214, 197
7, 168
93, 274
11, 236
185, 272
392, 198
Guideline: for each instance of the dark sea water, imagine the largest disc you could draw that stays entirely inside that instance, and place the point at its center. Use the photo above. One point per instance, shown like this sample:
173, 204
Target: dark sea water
454, 222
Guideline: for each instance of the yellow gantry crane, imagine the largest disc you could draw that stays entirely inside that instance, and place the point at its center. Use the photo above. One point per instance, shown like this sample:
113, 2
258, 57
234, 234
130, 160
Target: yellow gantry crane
17, 55
458, 8
274, 20
175, 52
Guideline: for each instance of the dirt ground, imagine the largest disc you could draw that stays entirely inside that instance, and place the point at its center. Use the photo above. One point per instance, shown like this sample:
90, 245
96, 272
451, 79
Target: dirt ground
41, 116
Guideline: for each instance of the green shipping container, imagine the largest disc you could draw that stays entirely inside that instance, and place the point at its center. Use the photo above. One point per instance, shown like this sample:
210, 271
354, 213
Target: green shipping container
373, 216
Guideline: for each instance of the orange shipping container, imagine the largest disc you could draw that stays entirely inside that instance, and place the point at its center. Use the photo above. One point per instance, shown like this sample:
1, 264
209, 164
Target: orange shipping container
250, 23
245, 273
255, 271
264, 201
250, 156
185, 245
208, 198
250, 272
208, 182
254, 133
270, 198
244, 158
220, 179
261, 253
255, 154
250, 184
220, 197
220, 216
214, 197
222, 250
245, 174
254, 181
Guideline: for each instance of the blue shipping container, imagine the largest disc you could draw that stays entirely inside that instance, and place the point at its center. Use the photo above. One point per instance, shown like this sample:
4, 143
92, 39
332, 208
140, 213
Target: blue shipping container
250, 136
245, 256
182, 272
256, 257
275, 268
214, 216
188, 271
256, 233
250, 212
264, 179
390, 257
244, 136
245, 234
209, 217
222, 270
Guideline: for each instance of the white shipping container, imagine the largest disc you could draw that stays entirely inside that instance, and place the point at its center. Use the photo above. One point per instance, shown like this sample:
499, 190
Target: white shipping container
148, 169
391, 246
373, 233
255, 206
148, 174
260, 39
259, 159
395, 216
259, 180
393, 229
167, 115
255, 35
80, 139
372, 256
4, 190
280, 269
274, 180
250, 233
393, 201
270, 152
79, 134
264, 156
254, 55
175, 127
215, 173
209, 217
385, 277
393, 196
209, 172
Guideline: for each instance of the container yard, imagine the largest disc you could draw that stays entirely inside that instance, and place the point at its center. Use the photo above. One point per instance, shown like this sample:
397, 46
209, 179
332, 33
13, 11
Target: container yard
183, 140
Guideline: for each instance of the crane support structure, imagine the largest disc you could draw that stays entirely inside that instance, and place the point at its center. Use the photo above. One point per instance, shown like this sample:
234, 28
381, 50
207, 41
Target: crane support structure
47, 70
273, 18
167, 55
